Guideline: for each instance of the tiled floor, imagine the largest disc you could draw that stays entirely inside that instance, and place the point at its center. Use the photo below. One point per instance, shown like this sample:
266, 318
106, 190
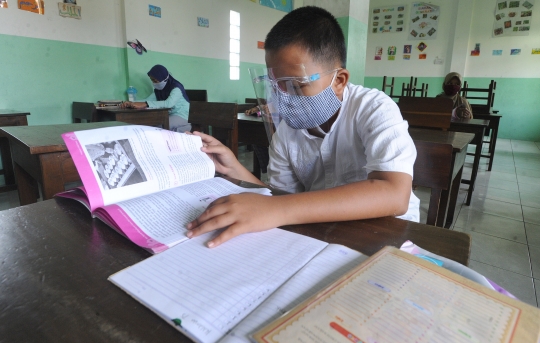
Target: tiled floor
503, 219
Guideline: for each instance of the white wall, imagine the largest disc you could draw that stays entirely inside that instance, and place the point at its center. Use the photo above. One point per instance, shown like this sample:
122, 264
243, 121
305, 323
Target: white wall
177, 31
525, 65
463, 23
441, 46
101, 23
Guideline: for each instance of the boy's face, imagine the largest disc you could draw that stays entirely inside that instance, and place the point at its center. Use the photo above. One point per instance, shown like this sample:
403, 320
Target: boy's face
285, 61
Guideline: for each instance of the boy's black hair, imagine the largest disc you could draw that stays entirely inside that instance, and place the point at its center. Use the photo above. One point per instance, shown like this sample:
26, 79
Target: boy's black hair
313, 28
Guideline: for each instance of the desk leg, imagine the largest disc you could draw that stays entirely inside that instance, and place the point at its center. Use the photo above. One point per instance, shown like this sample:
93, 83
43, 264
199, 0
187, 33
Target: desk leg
434, 204
52, 174
7, 162
494, 133
27, 186
476, 163
453, 199
256, 166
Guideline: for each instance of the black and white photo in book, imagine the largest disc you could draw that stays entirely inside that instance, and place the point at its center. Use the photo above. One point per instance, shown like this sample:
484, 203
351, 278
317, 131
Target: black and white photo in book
115, 164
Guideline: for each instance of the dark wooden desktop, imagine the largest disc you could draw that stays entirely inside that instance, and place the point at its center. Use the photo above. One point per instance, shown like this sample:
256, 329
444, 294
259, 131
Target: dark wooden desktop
9, 118
56, 260
40, 156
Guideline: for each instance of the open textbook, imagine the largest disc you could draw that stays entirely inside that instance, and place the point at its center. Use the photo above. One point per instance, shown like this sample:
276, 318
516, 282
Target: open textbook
146, 183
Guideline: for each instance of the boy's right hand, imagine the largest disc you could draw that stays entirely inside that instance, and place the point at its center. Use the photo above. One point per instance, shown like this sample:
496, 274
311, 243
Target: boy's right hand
223, 158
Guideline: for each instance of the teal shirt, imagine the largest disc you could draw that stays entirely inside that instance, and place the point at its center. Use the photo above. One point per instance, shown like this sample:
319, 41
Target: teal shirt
176, 102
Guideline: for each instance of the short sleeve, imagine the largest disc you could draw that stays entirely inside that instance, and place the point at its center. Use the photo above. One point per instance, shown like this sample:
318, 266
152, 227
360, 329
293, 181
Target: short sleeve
388, 145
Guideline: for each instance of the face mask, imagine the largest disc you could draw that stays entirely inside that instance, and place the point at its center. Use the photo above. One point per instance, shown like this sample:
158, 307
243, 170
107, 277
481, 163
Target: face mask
307, 112
451, 90
160, 85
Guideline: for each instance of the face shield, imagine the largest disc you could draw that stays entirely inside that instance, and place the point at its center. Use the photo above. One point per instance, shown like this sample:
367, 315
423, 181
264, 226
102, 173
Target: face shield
300, 95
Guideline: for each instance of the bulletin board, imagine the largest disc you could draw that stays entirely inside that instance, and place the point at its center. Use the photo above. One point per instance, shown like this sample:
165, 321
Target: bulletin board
424, 21
388, 19
512, 18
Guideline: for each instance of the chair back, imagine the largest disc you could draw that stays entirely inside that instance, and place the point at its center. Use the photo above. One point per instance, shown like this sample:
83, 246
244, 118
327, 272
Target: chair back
482, 98
251, 101
83, 111
197, 94
220, 117
390, 86
427, 112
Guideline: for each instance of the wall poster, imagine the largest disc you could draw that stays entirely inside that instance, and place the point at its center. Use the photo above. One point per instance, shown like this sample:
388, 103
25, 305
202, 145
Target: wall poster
512, 18
424, 21
388, 19
281, 5
35, 6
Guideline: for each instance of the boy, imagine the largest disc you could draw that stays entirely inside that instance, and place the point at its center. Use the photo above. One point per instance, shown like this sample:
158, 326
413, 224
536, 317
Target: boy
343, 150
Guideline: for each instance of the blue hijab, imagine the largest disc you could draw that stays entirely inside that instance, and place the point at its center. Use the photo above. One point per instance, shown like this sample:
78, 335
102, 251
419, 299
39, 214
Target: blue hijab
160, 73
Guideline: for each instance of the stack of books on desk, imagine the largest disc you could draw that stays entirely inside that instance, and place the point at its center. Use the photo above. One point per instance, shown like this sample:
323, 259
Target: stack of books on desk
109, 103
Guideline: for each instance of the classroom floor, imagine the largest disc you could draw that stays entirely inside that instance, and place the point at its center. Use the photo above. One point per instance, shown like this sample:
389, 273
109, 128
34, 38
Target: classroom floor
503, 219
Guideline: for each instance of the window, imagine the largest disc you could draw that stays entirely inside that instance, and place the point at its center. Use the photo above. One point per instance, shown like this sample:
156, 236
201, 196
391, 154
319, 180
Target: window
234, 46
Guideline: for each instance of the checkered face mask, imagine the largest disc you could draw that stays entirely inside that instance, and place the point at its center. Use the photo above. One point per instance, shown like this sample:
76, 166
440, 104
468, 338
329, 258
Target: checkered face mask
307, 112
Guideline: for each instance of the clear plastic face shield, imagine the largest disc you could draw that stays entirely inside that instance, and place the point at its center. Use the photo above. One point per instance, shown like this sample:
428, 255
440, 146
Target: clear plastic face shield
298, 94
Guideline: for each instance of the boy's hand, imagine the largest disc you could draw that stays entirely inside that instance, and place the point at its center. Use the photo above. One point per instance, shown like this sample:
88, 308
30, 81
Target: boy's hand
239, 213
223, 157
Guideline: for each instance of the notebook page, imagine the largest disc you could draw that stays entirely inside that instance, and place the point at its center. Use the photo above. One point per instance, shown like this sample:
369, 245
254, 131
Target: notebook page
395, 300
330, 264
208, 291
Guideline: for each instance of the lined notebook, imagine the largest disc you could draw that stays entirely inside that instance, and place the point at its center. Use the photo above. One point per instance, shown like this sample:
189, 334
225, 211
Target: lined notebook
229, 292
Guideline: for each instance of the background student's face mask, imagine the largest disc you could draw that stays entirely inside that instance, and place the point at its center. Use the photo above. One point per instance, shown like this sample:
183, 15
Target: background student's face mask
451, 90
307, 112
160, 85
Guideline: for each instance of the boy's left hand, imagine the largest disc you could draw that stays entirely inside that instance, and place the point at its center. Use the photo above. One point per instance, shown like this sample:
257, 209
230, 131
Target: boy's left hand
239, 214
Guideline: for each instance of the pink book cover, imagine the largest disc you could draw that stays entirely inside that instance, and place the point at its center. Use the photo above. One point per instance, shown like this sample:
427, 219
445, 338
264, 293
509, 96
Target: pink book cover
85, 169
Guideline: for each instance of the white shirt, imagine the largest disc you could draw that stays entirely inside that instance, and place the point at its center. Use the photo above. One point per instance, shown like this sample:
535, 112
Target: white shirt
368, 135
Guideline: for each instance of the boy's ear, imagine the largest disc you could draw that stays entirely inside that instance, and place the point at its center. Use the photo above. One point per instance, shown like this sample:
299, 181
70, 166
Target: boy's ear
342, 78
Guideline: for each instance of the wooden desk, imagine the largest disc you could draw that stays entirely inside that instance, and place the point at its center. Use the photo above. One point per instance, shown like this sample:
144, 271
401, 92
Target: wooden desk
476, 127
9, 118
459, 142
494, 120
56, 261
40, 155
251, 131
152, 117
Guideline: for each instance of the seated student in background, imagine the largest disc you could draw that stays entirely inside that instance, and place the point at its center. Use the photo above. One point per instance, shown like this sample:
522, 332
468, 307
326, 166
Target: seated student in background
451, 87
168, 93
350, 157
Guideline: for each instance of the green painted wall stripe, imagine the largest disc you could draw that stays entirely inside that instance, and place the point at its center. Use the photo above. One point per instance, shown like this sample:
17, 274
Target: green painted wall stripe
516, 99
45, 76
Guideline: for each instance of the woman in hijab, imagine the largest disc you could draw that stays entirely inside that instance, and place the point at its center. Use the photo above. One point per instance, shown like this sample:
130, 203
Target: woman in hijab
451, 87
168, 93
